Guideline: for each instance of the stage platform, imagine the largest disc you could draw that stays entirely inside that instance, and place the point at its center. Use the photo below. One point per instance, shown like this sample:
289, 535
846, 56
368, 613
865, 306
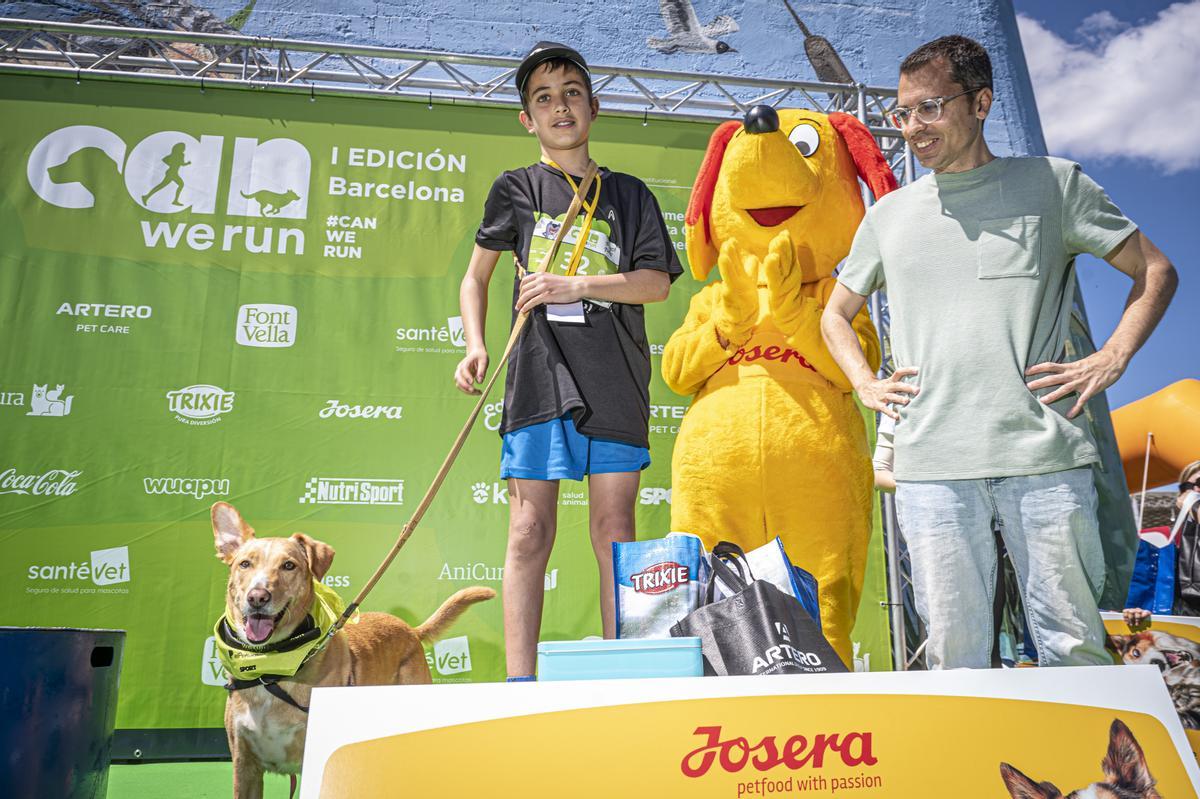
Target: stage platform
727, 737
191, 780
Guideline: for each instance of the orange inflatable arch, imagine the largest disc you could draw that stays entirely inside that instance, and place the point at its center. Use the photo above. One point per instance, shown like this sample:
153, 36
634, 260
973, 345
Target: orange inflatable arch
1172, 414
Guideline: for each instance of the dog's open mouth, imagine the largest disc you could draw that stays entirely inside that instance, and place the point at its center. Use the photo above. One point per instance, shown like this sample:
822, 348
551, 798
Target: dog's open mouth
1175, 657
259, 626
770, 217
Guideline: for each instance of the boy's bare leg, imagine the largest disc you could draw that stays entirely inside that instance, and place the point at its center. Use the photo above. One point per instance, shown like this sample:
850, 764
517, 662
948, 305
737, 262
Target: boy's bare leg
532, 519
610, 518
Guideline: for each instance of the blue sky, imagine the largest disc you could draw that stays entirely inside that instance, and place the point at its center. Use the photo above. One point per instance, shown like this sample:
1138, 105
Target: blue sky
1118, 92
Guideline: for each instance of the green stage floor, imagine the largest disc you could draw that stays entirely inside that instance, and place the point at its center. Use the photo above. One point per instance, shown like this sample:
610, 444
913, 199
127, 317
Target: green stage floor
183, 781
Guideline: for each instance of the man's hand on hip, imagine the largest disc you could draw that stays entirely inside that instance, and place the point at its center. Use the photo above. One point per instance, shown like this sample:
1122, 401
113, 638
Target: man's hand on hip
881, 394
1086, 377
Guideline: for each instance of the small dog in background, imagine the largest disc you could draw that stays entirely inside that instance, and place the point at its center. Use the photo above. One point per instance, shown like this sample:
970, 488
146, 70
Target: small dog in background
1125, 772
1153, 647
1183, 684
270, 594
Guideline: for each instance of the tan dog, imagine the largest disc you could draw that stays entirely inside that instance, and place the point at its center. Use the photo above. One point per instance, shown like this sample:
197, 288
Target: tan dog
269, 596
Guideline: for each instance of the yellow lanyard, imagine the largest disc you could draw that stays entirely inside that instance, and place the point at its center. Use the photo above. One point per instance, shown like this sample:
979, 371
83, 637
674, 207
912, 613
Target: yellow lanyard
586, 229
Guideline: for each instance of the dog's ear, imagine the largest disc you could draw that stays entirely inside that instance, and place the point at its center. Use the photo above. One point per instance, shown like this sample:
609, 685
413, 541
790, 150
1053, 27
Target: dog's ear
230, 530
1120, 642
869, 162
1021, 787
320, 555
702, 251
1124, 764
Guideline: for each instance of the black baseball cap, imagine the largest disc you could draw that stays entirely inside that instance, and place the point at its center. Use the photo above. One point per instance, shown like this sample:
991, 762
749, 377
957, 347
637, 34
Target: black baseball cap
546, 51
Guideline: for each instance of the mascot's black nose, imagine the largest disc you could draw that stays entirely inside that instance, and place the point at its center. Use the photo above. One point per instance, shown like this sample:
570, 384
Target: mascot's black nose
761, 119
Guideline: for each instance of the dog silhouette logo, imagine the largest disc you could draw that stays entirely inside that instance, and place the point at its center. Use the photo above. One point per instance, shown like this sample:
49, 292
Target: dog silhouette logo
269, 179
43, 402
270, 203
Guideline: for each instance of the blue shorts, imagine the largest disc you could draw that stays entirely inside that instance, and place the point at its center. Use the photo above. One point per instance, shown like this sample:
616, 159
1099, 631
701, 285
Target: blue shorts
555, 450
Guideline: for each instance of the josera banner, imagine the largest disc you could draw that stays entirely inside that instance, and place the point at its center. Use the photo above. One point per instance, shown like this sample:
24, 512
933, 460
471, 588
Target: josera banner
1172, 644
1091, 732
253, 297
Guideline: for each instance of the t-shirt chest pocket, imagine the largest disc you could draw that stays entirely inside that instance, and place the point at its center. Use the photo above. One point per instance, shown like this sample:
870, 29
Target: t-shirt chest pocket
1010, 246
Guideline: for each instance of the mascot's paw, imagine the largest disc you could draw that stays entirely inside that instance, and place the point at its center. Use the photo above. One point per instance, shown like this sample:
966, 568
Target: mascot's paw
781, 256
786, 267
735, 311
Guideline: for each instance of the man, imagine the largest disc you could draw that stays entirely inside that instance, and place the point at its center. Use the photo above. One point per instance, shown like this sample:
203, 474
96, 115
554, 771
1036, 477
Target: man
978, 260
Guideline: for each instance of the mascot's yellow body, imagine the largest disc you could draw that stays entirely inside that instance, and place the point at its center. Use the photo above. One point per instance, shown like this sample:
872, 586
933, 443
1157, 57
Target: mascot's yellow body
774, 443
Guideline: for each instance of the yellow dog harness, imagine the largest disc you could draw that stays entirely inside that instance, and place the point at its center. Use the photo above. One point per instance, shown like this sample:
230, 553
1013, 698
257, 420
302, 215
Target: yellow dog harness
247, 662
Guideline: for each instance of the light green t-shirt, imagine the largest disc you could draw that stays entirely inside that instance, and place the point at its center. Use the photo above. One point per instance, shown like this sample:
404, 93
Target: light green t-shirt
979, 268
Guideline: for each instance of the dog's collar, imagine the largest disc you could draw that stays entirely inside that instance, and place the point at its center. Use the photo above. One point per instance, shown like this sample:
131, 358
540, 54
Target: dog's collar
247, 663
306, 631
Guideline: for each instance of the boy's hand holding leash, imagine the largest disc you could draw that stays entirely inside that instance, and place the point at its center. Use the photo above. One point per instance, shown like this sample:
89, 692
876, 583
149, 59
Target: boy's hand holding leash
541, 288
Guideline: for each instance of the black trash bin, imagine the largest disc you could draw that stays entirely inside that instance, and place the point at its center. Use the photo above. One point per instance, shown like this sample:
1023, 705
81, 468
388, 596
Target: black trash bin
58, 702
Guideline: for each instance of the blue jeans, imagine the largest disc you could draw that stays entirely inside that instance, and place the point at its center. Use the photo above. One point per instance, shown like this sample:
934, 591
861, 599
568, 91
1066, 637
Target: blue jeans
1050, 528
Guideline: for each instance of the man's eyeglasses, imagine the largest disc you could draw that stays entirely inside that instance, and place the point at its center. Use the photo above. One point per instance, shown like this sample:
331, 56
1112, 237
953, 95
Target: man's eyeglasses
926, 111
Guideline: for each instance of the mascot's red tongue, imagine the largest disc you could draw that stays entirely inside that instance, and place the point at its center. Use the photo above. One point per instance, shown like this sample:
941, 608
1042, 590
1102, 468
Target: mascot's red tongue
259, 628
770, 217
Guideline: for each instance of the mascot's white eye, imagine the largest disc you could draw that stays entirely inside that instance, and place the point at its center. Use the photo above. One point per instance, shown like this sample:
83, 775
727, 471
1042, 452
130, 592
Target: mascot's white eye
806, 138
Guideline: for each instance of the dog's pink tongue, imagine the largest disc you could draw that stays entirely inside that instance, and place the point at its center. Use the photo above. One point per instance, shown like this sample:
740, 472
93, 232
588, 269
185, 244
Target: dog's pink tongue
259, 628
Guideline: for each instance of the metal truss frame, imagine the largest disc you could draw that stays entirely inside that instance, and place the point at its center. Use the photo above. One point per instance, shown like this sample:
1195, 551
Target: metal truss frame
257, 62
101, 52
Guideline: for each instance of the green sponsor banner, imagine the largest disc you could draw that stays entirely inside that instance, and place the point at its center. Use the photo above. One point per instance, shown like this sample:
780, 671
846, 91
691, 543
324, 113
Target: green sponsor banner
253, 297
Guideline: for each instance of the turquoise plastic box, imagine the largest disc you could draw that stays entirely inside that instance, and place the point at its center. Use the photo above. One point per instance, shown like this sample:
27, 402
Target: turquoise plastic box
619, 659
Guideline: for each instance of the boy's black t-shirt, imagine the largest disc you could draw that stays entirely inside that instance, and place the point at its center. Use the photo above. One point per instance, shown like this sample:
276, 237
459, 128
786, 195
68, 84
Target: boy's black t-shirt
598, 371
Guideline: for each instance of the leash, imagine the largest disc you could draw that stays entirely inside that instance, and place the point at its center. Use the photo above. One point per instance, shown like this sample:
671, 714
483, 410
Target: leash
271, 681
577, 202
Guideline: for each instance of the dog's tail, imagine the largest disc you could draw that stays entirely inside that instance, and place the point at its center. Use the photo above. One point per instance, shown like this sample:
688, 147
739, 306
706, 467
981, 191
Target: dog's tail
451, 609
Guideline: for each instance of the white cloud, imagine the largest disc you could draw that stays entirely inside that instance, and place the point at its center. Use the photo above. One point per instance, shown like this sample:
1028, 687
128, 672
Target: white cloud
1133, 93
1099, 28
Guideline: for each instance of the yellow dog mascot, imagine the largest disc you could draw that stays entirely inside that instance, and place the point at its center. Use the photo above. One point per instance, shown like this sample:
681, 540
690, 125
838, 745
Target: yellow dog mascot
773, 443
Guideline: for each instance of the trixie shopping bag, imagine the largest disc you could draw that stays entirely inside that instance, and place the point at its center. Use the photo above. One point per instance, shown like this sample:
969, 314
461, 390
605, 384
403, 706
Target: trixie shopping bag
658, 582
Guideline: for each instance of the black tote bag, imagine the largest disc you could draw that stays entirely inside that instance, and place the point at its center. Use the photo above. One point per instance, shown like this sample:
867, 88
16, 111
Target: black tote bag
758, 629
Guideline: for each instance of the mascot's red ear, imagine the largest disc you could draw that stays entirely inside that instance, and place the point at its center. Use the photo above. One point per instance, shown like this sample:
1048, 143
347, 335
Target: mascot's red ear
701, 251
868, 160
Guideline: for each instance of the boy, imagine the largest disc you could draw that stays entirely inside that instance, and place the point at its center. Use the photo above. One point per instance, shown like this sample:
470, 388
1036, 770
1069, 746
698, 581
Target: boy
576, 399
